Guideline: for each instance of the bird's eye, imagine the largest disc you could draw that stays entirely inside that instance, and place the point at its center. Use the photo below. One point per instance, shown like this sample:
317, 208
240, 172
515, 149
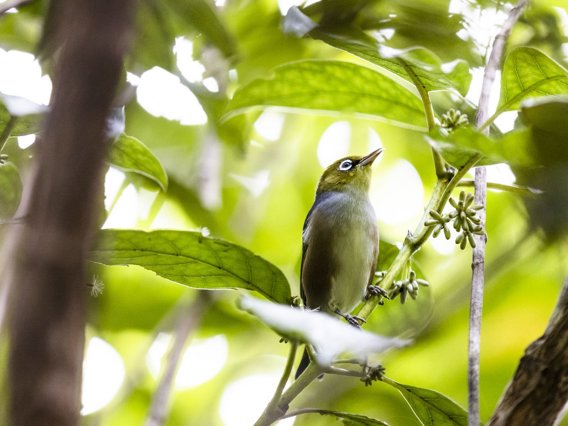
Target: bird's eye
345, 165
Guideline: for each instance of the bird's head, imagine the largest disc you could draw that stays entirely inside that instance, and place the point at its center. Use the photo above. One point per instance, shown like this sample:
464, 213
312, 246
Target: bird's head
348, 174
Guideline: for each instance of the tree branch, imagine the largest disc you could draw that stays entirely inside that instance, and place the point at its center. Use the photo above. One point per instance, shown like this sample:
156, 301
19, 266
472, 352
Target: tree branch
46, 275
480, 196
188, 320
539, 389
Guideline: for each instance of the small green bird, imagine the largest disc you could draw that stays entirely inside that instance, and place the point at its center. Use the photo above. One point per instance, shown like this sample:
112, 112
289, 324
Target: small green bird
340, 241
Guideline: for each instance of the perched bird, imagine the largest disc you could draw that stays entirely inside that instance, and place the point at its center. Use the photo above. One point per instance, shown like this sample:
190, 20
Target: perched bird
340, 241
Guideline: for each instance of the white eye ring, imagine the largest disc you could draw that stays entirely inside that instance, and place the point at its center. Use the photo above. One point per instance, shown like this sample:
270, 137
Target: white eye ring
345, 165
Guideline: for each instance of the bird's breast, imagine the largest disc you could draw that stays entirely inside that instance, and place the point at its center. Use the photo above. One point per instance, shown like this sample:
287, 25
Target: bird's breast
346, 226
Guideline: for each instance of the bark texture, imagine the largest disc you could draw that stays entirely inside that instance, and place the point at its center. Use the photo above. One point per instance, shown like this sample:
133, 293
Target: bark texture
539, 389
47, 280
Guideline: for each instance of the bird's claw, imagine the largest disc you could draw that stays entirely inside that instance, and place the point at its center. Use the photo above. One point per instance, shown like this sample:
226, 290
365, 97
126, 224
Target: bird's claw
353, 320
375, 290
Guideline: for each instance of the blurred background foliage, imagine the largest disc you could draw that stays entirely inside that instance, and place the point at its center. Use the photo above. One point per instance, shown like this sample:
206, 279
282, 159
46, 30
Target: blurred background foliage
250, 179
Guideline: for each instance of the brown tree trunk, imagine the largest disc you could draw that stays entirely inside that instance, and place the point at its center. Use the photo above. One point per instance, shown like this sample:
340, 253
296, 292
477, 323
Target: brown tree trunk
47, 279
539, 389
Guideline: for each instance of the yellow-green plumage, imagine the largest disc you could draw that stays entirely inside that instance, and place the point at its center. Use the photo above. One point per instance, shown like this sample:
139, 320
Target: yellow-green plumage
340, 239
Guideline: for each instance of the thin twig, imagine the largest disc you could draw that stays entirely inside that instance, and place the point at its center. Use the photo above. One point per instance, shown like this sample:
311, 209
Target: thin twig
188, 321
7, 131
439, 163
275, 401
522, 190
480, 195
273, 413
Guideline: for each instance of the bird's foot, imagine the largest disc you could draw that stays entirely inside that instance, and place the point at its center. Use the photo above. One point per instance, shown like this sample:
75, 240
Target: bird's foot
375, 290
353, 320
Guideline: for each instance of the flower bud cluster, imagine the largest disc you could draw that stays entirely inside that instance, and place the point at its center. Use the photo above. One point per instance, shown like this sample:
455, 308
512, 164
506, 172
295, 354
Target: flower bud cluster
453, 119
407, 287
464, 218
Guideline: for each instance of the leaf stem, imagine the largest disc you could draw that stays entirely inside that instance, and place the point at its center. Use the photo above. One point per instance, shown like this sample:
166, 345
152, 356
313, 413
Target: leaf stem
301, 411
125, 182
523, 190
439, 163
7, 131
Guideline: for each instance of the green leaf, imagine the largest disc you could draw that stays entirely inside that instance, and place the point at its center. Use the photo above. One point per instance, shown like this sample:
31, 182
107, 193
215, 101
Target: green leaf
130, 155
192, 259
387, 253
527, 72
431, 407
348, 419
415, 64
460, 146
27, 115
201, 14
547, 113
331, 86
10, 189
546, 118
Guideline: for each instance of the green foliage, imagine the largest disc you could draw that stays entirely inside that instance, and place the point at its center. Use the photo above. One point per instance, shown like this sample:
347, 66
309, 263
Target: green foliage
202, 15
130, 155
528, 72
333, 60
349, 419
24, 121
192, 259
461, 145
10, 189
421, 63
321, 86
431, 407
546, 118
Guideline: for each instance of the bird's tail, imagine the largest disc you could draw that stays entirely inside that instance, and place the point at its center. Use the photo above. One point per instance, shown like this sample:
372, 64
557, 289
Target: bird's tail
303, 364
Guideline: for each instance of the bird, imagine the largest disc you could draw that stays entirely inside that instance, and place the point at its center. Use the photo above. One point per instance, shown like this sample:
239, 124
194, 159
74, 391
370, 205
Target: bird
340, 241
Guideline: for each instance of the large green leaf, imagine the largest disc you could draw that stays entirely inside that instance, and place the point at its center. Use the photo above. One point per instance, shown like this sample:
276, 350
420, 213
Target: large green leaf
348, 419
10, 189
528, 72
460, 146
416, 65
431, 407
130, 155
192, 259
331, 86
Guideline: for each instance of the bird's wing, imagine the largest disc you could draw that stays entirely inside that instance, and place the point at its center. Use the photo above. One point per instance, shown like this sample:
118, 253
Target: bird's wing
315, 271
305, 249
375, 237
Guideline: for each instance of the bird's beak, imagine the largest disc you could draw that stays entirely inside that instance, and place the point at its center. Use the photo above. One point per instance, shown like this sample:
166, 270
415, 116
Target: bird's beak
368, 159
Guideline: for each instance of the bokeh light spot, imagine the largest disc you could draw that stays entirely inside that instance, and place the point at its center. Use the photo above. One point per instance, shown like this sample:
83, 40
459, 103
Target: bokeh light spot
103, 374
